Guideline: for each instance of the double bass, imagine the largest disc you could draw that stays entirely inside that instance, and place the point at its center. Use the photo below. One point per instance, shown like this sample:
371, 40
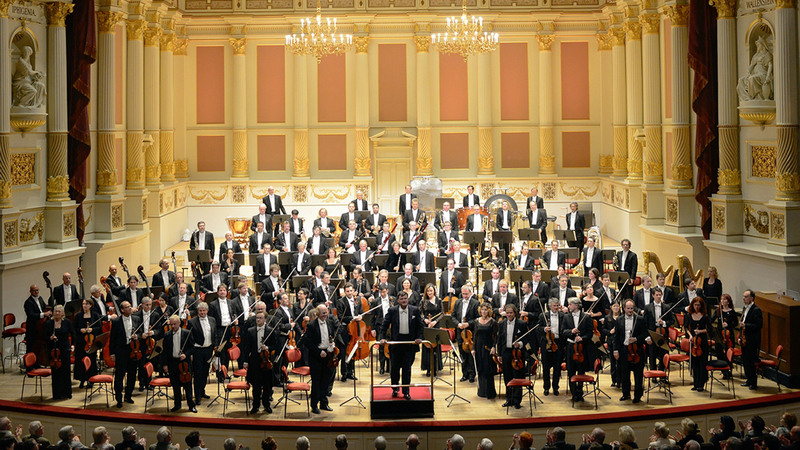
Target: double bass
39, 348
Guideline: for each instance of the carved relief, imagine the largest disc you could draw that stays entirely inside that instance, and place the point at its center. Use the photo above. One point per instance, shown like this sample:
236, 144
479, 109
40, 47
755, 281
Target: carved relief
778, 226
758, 84
259, 194
363, 188
580, 192
760, 223
762, 161
144, 209
68, 224
644, 203
23, 169
486, 190
238, 194
672, 210
161, 203
116, 216
719, 217
10, 234
549, 191
330, 195
208, 196
423, 42
31, 227
299, 193
28, 86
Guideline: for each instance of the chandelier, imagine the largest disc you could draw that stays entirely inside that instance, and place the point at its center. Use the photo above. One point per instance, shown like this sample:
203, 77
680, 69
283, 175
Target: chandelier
465, 36
318, 38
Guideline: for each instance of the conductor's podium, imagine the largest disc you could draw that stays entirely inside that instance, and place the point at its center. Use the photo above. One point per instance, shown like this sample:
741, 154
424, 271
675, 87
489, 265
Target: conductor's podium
384, 406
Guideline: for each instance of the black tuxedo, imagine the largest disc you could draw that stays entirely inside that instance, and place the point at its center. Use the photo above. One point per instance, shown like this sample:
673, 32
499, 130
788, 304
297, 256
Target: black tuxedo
499, 220
263, 263
683, 298
208, 283
253, 247
596, 261
119, 348
489, 289
329, 224
551, 360
125, 296
58, 294
561, 259
414, 283
530, 263
403, 205
580, 225
278, 209
320, 372
443, 240
639, 300
33, 314
407, 238
318, 297
541, 222
269, 292
158, 279
631, 266
234, 312
449, 216
639, 331
282, 243
476, 200
190, 302
533, 308
511, 299
410, 216
296, 228
445, 279
377, 323
259, 377
461, 259
655, 353
223, 248
669, 296
346, 314
539, 203
345, 219
753, 323
305, 263
95, 308
356, 261
361, 205
467, 360
257, 218
323, 245
471, 222
116, 284
402, 355
345, 236
168, 360
388, 239
370, 222
209, 244
430, 264
556, 293
514, 395
173, 290
585, 328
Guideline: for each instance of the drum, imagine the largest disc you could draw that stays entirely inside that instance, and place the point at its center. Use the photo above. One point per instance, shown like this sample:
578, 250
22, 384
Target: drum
463, 213
240, 227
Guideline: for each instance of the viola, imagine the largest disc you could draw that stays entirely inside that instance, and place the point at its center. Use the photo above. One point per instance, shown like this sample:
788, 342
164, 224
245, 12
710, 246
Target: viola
633, 353
89, 340
726, 336
517, 362
697, 346
184, 372
577, 352
136, 349
266, 359
742, 339
334, 357
290, 342
236, 336
150, 345
466, 340
552, 345
498, 362
55, 354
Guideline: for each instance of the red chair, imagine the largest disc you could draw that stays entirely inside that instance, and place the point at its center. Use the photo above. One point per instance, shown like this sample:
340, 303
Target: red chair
720, 366
775, 364
159, 386
233, 355
521, 383
293, 387
99, 380
588, 379
235, 386
36, 374
293, 355
8, 320
679, 319
663, 379
682, 359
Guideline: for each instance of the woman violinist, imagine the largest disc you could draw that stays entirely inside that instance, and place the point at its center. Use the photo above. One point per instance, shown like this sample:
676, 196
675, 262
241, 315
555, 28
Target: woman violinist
396, 260
609, 333
88, 326
431, 308
484, 330
300, 311
697, 324
726, 318
58, 332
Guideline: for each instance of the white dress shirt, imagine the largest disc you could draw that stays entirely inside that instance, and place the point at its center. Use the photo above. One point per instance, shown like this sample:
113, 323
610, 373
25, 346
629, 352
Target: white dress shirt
201, 240
128, 325
404, 318
176, 344
553, 264
224, 312
554, 324
509, 333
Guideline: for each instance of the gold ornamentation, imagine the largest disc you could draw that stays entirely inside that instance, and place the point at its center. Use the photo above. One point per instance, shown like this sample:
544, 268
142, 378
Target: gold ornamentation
719, 217
57, 13
24, 125
86, 219
329, 195
208, 196
107, 21
57, 185
134, 174
761, 224
68, 224
672, 210
31, 227
106, 177
362, 166
778, 226
362, 43
5, 193
179, 47
486, 190
10, 234
299, 193
4, 8
617, 36
423, 43
547, 161
788, 4
486, 163
758, 116
424, 165
603, 41
238, 194
161, 203
168, 43
259, 194
728, 177
135, 29
364, 189
644, 206
580, 192
653, 169
23, 169
678, 15
787, 182
301, 167
182, 168
152, 36
681, 172
633, 31
650, 23
153, 172
549, 191
762, 161
240, 165
725, 8
545, 41
606, 163
116, 216
238, 45
144, 209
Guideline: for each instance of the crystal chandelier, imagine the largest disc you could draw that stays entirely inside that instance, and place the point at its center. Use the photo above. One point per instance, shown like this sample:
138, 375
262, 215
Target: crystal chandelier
465, 36
318, 38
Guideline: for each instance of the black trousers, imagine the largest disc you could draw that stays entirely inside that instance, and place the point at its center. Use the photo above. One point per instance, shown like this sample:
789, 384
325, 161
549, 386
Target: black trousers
201, 368
402, 359
261, 382
749, 359
513, 394
382, 359
625, 368
320, 380
346, 369
551, 362
467, 360
573, 368
124, 374
655, 356
175, 380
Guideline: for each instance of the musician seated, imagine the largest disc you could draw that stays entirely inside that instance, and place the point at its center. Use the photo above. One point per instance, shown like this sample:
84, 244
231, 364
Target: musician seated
258, 238
461, 259
212, 280
286, 240
173, 288
230, 265
554, 279
263, 262
163, 277
413, 215
348, 237
324, 222
262, 217
408, 271
397, 259
383, 278
537, 220
296, 223
384, 239
491, 285
374, 222
362, 258
271, 287
446, 238
446, 215
422, 259
554, 257
228, 244
317, 244
450, 281
183, 304
411, 237
524, 261
301, 261
361, 285
351, 214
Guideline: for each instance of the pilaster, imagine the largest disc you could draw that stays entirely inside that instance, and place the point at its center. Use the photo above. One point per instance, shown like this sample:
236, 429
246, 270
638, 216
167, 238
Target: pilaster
57, 121
134, 105
5, 118
167, 136
485, 145
301, 162
651, 80
362, 162
682, 174
606, 165
619, 106
240, 166
547, 156
424, 161
152, 98
633, 75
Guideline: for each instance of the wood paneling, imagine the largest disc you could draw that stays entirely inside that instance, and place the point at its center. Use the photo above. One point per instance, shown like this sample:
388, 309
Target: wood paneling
271, 84
210, 153
575, 81
514, 81
453, 88
331, 89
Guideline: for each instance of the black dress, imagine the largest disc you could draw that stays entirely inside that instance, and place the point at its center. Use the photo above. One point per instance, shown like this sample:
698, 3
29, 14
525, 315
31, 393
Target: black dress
80, 345
699, 363
395, 260
431, 310
330, 268
484, 336
609, 324
712, 290
62, 382
413, 298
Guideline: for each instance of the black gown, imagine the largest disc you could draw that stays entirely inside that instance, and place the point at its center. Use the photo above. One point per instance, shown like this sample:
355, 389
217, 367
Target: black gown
483, 338
395, 260
699, 363
330, 267
609, 324
80, 345
61, 377
431, 310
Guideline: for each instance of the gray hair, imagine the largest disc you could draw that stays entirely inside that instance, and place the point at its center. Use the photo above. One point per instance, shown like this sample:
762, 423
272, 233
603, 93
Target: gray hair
94, 289
65, 432
692, 445
99, 435
559, 433
340, 441
229, 444
626, 435
734, 443
486, 444
599, 435
555, 301
380, 443
128, 432
661, 430
162, 435
575, 301
35, 426
302, 443
457, 441
5, 423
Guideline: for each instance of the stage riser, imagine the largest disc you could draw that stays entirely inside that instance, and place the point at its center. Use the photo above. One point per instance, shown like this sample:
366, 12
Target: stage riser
396, 409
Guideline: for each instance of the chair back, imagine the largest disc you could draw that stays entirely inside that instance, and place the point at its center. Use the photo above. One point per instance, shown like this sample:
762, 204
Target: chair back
87, 363
778, 351
598, 366
666, 363
679, 319
8, 319
534, 367
148, 369
452, 333
293, 355
673, 334
730, 354
234, 353
224, 369
284, 375
686, 345
30, 359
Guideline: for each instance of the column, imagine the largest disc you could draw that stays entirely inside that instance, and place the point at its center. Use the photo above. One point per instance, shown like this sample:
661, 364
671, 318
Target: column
633, 74
134, 110
651, 78
485, 146
606, 160
167, 108
106, 155
424, 158
787, 179
619, 106
240, 167
152, 97
681, 109
362, 163
547, 156
5, 108
57, 120
181, 163
301, 161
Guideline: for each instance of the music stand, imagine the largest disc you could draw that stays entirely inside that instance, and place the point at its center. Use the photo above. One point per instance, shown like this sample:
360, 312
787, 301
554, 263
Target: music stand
501, 253
393, 276
473, 237
530, 234
437, 336
210, 297
441, 262
450, 323
380, 260
200, 257
438, 204
425, 278
239, 257
548, 275
371, 242
620, 278
370, 276
578, 281
608, 255
253, 259
298, 281
156, 291
564, 235
346, 259
464, 272
486, 274
278, 219
519, 276
503, 237
317, 260
536, 253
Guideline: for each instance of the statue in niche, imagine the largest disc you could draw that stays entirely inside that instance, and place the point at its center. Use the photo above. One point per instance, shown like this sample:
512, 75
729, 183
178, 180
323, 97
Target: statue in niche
28, 86
758, 83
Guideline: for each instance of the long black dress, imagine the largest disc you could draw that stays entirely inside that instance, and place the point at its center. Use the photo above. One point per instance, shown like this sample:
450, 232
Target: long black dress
609, 324
80, 345
62, 382
395, 260
484, 336
699, 363
432, 310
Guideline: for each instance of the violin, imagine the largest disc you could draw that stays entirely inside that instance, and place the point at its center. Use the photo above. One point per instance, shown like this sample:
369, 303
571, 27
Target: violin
697, 346
236, 336
136, 349
109, 299
633, 353
577, 352
266, 359
451, 299
184, 368
726, 336
89, 340
466, 340
742, 339
290, 342
55, 354
517, 362
498, 362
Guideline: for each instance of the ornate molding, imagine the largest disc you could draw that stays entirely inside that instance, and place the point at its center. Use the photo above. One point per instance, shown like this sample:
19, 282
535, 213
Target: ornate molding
106, 177
301, 167
787, 182
31, 227
362, 43
23, 169
726, 9
135, 29
107, 21
633, 31
240, 166
5, 192
672, 210
761, 223
545, 41
152, 36
617, 37
763, 161
238, 45
168, 43
603, 41
423, 43
678, 14
653, 169
4, 8
57, 184
719, 217
10, 233
116, 216
363, 166
606, 163
57, 13
778, 221
729, 177
580, 192
179, 47
650, 22
330, 195
208, 196
681, 172
424, 165
787, 4
68, 224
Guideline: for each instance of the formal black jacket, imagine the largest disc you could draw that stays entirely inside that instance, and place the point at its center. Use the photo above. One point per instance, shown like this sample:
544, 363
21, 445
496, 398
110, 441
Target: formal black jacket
561, 258
128, 445
443, 241
585, 327
555, 293
414, 283
346, 315
489, 289
234, 310
520, 327
329, 224
442, 217
58, 294
263, 263
409, 217
402, 205
544, 321
223, 248
444, 279
541, 224
209, 242
415, 324
377, 315
631, 264
370, 222
158, 279
117, 339
638, 298
650, 315
255, 220
251, 349
395, 260
511, 299
532, 307
753, 324
296, 229
530, 263
187, 346
476, 200
96, 307
310, 340
208, 286
323, 244
361, 205
388, 239
279, 209
430, 263
407, 239
499, 220
472, 311
305, 263
683, 298
356, 261
580, 225
253, 246
346, 235
318, 297
471, 222
268, 291
461, 259
539, 203
116, 284
32, 317
156, 323
281, 241
596, 260
125, 296
639, 332
345, 219
190, 301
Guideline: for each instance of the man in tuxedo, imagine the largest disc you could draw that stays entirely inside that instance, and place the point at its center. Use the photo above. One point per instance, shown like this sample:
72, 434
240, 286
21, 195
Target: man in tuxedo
577, 223
563, 292
263, 262
245, 296
35, 310
114, 282
99, 304
444, 237
661, 284
360, 203
644, 296
491, 286
554, 257
475, 224
406, 325
577, 328
751, 322
173, 290
410, 236
164, 277
326, 294
422, 259
271, 287
552, 355
630, 330
689, 293
324, 222
450, 281
361, 258
530, 306
152, 326
505, 221
296, 223
349, 309
374, 222
286, 241
178, 347
133, 295
214, 279
262, 217
385, 239
385, 301
627, 261
383, 278
465, 311
509, 337
501, 299
203, 240
225, 313
273, 202
413, 215
123, 332
65, 293
592, 257
301, 261
539, 201
657, 314
317, 343
405, 200
408, 270
537, 220
183, 304
258, 339
258, 239
471, 199
460, 258
317, 244
229, 243
524, 260
444, 216
347, 240
350, 215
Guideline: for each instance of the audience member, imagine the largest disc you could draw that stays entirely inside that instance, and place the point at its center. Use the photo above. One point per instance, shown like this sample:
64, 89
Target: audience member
756, 434
194, 441
268, 443
130, 441
164, 440
302, 443
68, 439
557, 440
456, 442
660, 436
485, 444
340, 442
36, 430
379, 443
598, 436
412, 442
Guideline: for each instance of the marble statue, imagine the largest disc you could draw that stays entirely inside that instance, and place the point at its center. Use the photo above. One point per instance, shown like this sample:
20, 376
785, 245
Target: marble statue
28, 86
758, 83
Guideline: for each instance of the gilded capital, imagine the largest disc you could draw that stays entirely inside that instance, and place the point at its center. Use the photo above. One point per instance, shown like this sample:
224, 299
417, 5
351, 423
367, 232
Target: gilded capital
4, 8
678, 15
179, 47
726, 9
238, 45
423, 42
152, 37
617, 36
57, 13
545, 41
135, 29
107, 21
603, 41
362, 42
633, 31
650, 23
781, 4
168, 43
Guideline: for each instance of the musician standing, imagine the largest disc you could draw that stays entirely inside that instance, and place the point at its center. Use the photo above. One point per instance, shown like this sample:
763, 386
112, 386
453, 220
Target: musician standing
509, 337
225, 313
259, 343
577, 328
446, 215
360, 203
539, 201
374, 222
286, 240
577, 223
324, 222
505, 222
475, 224
274, 204
491, 286
301, 261
317, 244
152, 326
411, 237
60, 334
405, 200
657, 315
325, 294
285, 322
296, 223
592, 257
537, 220
183, 305
262, 217
35, 310
211, 281
66, 292
552, 355
406, 325
88, 325
351, 214
114, 282
385, 239
408, 270
349, 310
228, 244
204, 339
164, 277
203, 240
178, 347
124, 330
385, 302
446, 238
414, 215
362, 258
627, 261
258, 239
461, 259
471, 199
318, 344
347, 240
464, 312
264, 263
422, 259
450, 281
631, 334
751, 323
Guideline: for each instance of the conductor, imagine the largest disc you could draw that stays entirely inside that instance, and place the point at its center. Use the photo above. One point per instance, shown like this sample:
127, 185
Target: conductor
406, 323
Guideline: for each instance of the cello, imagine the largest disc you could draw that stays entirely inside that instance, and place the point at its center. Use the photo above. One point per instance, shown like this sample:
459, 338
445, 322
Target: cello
140, 270
39, 347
